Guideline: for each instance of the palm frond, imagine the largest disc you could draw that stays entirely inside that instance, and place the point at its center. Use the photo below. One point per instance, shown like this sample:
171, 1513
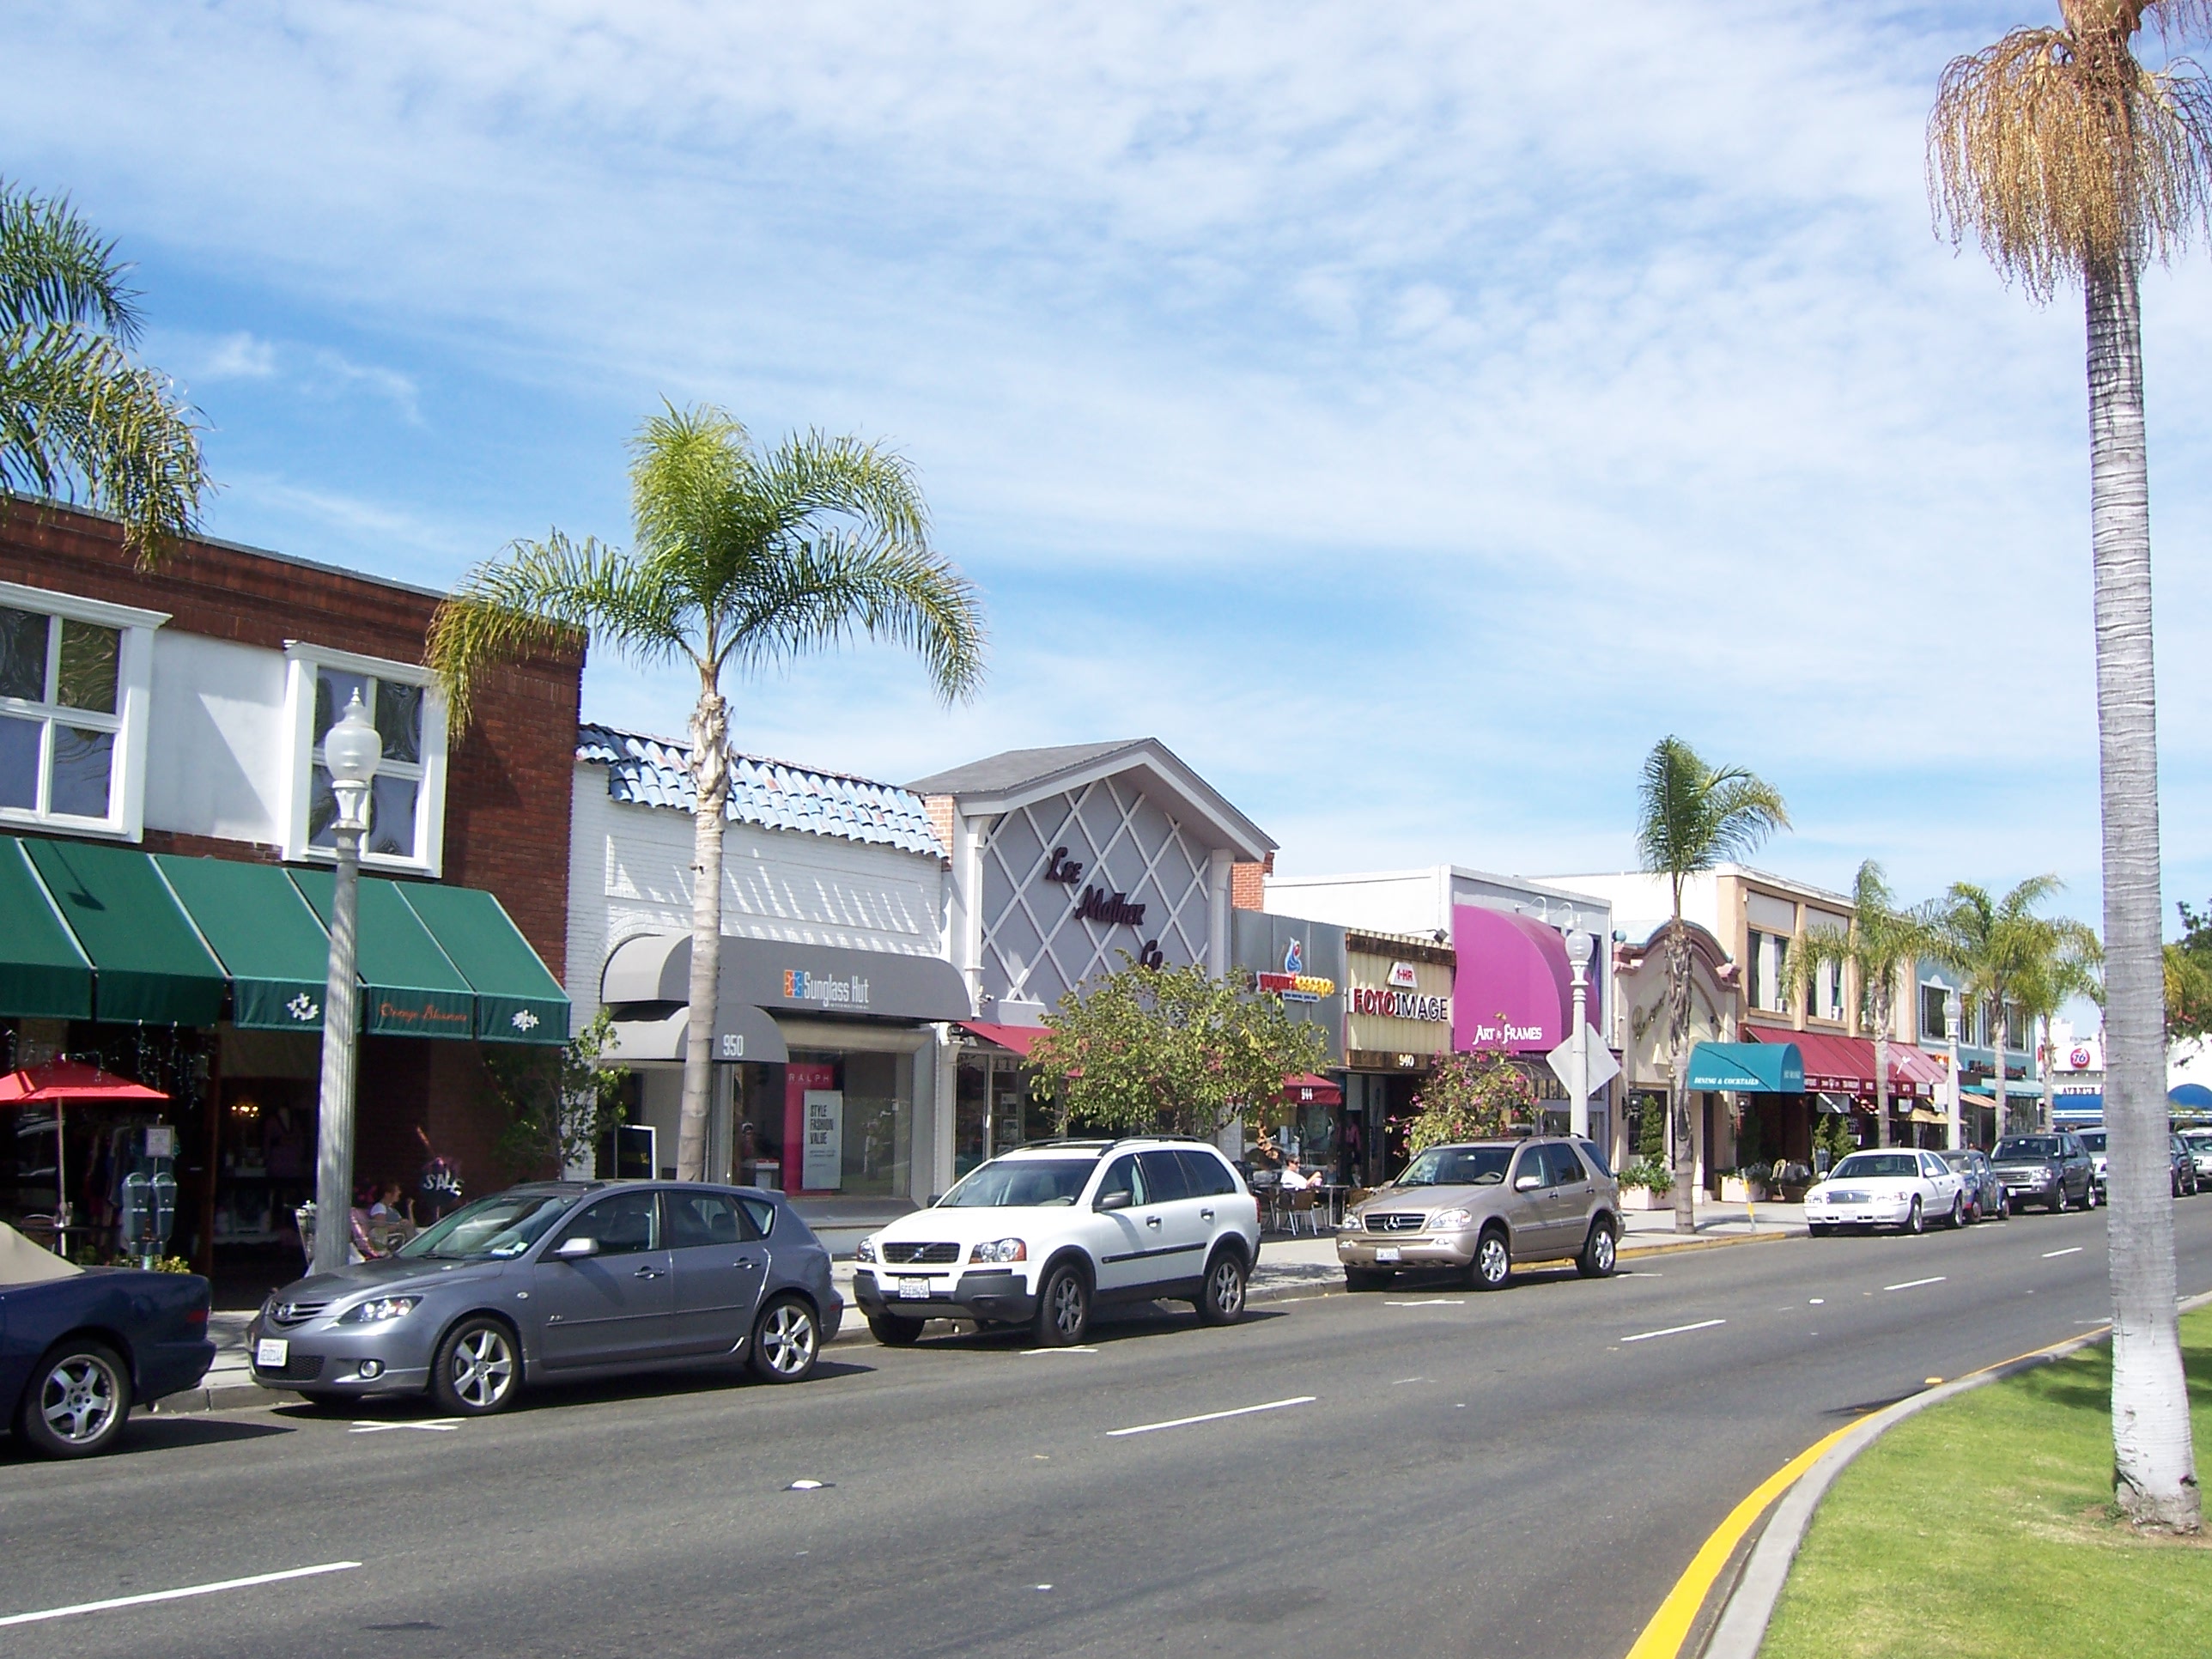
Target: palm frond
553, 594
2059, 153
1692, 816
77, 416
55, 268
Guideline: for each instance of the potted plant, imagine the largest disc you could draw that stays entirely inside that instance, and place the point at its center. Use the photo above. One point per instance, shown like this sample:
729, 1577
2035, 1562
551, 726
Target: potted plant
1645, 1184
1747, 1185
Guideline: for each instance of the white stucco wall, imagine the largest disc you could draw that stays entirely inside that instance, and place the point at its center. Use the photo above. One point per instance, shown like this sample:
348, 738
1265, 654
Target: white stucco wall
217, 740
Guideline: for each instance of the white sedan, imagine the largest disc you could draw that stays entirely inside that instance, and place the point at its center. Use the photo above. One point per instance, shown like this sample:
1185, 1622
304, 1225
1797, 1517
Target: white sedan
1901, 1189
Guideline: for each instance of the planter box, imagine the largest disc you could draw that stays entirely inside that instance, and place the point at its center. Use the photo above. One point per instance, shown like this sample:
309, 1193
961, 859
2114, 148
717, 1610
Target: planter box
1643, 1198
1734, 1190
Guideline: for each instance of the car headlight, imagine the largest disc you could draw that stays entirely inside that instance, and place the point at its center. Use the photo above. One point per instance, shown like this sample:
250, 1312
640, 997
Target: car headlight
1001, 1249
380, 1309
1451, 1221
866, 1250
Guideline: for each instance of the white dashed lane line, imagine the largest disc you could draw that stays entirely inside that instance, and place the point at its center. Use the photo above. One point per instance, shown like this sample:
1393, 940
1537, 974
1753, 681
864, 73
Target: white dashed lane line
113, 1603
1211, 1417
2071, 1249
1915, 1284
1674, 1330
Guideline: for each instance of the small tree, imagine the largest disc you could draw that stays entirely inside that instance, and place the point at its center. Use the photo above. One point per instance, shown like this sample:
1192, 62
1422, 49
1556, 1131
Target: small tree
1470, 1098
1170, 1050
559, 1101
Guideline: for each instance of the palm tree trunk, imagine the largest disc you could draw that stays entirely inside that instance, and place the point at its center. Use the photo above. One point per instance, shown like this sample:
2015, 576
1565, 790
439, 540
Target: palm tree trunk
1678, 1078
710, 769
2153, 1459
2043, 1068
1880, 1071
2000, 1035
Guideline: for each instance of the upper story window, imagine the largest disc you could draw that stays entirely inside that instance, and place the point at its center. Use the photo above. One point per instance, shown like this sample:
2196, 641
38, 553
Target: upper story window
73, 679
407, 801
1935, 1024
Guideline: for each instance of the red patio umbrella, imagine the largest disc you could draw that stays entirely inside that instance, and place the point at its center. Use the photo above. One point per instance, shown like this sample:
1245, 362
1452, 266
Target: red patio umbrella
55, 1083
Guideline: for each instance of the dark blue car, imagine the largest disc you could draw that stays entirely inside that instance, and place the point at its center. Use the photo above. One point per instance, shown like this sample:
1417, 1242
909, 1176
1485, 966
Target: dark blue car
79, 1348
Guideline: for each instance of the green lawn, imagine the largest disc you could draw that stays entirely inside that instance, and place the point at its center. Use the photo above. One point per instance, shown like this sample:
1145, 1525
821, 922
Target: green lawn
1983, 1526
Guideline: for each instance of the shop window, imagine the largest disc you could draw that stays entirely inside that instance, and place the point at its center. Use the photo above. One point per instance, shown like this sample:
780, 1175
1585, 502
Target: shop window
1934, 1027
407, 801
848, 1123
74, 688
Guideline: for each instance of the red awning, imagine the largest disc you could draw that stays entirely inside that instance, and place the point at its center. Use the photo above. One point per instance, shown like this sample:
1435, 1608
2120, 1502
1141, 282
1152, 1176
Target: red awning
68, 1080
1309, 1089
1018, 1038
1844, 1066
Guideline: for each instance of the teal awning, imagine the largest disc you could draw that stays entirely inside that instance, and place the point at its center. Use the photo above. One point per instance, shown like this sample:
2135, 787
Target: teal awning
277, 953
408, 985
1749, 1068
517, 999
43, 974
153, 969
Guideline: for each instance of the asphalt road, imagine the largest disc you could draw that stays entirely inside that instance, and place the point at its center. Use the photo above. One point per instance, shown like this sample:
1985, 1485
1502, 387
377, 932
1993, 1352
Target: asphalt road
1505, 1474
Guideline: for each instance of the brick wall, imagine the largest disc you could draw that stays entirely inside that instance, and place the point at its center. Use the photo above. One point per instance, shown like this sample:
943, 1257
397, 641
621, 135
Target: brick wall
939, 808
1248, 883
508, 778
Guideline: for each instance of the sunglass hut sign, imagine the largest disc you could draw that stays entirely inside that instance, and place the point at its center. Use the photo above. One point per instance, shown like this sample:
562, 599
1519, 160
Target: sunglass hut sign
824, 990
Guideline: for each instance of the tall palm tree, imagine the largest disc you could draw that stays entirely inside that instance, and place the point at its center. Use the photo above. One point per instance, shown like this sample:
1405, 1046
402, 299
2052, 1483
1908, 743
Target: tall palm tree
2048, 985
1877, 952
1690, 817
2069, 160
744, 558
75, 411
2011, 957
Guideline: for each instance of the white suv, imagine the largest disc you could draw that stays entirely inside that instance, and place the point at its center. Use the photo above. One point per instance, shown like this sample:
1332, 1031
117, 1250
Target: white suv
1039, 1235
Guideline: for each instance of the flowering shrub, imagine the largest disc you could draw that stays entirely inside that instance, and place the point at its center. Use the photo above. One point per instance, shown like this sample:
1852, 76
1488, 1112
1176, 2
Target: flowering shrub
1470, 1098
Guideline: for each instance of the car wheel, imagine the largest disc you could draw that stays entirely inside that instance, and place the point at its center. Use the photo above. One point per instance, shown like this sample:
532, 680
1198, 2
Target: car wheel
2059, 1202
1818, 1229
1493, 1260
786, 1342
478, 1368
1601, 1251
79, 1397
894, 1331
1063, 1312
1366, 1278
1915, 1222
1222, 1301
1958, 1213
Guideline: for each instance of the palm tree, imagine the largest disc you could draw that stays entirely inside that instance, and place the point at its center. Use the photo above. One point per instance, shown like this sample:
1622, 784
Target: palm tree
744, 557
75, 412
1877, 951
1690, 817
2067, 160
2046, 985
2010, 956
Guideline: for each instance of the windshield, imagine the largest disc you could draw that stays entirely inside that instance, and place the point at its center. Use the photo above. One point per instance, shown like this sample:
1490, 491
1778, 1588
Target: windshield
1458, 1166
1865, 1166
1957, 1160
2093, 1140
2029, 1146
491, 1229
1010, 1183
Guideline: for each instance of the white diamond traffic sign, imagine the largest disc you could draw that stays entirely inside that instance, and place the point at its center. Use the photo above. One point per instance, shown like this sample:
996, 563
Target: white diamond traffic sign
1603, 1067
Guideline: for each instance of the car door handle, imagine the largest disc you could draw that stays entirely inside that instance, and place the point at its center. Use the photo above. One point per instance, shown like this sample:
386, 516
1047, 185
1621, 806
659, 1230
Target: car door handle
1152, 1221
1206, 1215
647, 1272
743, 1261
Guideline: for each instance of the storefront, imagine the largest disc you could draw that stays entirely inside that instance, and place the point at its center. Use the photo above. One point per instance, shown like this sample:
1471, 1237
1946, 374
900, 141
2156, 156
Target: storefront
1839, 1081
1303, 965
823, 1057
1398, 1005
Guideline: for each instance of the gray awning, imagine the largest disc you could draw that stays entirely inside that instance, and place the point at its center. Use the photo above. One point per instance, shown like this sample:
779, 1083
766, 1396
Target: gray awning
793, 979
656, 1030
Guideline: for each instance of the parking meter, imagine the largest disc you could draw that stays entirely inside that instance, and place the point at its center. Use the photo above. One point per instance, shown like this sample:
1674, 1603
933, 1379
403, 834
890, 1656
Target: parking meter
146, 1194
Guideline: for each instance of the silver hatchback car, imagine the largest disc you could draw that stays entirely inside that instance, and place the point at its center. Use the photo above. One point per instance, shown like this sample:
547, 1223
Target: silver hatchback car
559, 1280
1482, 1206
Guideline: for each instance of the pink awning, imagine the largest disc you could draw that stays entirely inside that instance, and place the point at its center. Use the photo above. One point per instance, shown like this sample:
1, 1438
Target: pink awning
1845, 1065
1018, 1038
1309, 1089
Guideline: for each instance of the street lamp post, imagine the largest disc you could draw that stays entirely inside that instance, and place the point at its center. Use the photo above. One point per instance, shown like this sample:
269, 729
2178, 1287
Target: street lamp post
1580, 945
350, 752
1953, 1008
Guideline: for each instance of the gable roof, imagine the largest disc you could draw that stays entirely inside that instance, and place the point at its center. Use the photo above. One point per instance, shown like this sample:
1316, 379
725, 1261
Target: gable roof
770, 794
1017, 777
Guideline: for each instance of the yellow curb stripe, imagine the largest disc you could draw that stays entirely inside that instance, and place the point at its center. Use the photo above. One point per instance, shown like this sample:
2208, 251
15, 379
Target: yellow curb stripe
1663, 1637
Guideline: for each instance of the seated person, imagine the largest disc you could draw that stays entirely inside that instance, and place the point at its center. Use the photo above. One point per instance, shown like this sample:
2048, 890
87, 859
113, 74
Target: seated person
1296, 1180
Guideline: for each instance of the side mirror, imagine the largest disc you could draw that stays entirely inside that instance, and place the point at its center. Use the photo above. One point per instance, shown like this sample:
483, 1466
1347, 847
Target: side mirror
1527, 1184
575, 1248
1117, 1199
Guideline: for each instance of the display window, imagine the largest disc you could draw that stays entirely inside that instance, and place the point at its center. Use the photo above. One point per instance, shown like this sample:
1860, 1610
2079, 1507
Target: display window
847, 1123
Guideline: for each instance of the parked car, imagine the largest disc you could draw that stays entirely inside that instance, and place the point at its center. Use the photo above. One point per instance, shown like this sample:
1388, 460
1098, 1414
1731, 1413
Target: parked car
2093, 1142
2199, 1143
79, 1347
2182, 1167
1901, 1187
2052, 1169
1042, 1234
1481, 1207
555, 1280
1984, 1193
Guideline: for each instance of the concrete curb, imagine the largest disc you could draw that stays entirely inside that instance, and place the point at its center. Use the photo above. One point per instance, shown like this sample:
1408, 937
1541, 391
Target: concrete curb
1741, 1627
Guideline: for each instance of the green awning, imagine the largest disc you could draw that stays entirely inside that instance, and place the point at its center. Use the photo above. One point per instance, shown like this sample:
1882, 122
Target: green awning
517, 999
43, 974
409, 987
152, 969
269, 941
1750, 1068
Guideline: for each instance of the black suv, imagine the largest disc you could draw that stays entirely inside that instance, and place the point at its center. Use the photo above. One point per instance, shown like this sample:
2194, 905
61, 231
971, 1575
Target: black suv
2053, 1169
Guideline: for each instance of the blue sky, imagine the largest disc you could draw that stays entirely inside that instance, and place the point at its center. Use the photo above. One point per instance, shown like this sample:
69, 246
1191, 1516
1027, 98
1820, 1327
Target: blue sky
1407, 413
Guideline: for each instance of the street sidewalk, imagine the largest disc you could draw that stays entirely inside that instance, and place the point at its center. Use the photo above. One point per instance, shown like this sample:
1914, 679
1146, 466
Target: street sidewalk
1289, 1268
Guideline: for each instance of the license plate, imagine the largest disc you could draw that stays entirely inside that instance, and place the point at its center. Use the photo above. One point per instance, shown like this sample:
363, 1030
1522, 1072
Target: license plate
270, 1354
1388, 1253
913, 1290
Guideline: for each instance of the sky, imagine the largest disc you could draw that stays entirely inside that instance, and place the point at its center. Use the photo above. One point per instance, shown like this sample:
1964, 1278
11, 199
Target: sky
1408, 414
